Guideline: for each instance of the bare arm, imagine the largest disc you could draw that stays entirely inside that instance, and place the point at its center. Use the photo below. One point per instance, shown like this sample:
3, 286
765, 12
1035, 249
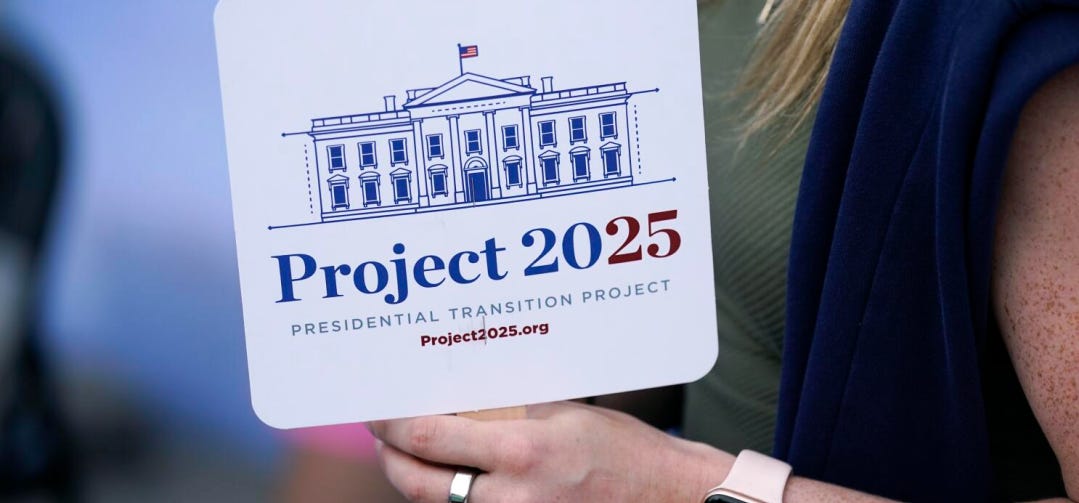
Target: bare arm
1036, 273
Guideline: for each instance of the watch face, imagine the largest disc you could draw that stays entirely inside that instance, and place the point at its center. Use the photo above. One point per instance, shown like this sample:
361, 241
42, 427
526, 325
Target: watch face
723, 498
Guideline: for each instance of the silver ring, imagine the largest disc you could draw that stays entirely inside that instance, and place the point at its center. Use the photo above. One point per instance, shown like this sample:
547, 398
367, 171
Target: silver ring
461, 484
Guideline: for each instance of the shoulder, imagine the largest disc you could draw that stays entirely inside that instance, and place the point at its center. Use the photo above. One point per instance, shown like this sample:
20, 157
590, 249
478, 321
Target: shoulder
1036, 263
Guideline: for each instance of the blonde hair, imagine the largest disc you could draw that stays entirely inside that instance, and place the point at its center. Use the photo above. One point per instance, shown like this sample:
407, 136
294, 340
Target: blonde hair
785, 76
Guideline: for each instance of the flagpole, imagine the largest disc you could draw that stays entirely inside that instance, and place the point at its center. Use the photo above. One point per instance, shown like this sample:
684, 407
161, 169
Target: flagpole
460, 60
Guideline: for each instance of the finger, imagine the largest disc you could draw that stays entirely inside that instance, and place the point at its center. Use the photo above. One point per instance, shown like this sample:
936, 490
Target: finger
421, 482
417, 481
450, 440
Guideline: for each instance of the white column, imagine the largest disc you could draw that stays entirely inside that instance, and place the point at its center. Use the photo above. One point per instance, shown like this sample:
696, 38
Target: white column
529, 153
456, 171
420, 162
492, 155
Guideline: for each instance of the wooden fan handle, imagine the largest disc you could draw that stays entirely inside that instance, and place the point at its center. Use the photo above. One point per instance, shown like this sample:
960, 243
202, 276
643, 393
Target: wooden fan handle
507, 414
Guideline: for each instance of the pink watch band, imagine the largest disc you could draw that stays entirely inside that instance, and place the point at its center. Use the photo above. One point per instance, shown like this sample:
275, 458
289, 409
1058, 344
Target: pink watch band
757, 477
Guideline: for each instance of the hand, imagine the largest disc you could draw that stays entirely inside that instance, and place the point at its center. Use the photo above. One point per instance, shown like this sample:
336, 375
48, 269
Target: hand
563, 452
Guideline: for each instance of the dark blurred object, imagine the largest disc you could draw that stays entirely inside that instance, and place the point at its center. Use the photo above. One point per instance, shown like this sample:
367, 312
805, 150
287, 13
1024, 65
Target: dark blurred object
36, 458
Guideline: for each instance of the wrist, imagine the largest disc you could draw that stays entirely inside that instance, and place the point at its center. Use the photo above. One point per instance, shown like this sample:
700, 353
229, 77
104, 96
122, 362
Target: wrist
695, 470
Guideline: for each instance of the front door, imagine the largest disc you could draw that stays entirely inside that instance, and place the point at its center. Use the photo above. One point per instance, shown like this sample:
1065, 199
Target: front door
477, 186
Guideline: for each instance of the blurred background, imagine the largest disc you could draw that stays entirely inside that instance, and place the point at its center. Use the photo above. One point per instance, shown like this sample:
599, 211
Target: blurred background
122, 367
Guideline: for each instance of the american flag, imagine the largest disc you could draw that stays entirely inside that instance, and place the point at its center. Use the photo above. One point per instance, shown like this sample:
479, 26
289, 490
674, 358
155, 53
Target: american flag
470, 51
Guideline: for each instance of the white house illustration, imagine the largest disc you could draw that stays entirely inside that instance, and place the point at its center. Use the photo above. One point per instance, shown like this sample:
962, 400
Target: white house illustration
473, 141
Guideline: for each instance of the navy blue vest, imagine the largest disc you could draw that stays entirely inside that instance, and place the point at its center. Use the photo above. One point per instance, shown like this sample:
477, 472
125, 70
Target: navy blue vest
888, 318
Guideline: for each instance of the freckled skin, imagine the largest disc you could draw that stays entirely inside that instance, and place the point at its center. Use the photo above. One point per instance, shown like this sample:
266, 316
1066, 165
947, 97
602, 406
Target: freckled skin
1036, 264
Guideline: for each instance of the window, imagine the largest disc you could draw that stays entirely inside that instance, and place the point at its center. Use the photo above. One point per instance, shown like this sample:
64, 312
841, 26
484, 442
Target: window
607, 126
576, 130
336, 154
400, 190
472, 142
611, 164
438, 181
402, 186
549, 163
340, 196
369, 184
338, 192
513, 171
579, 158
547, 136
398, 154
434, 146
509, 137
367, 154
550, 171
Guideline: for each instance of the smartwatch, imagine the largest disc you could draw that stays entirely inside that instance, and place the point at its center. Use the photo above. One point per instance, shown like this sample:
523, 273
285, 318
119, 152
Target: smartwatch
754, 478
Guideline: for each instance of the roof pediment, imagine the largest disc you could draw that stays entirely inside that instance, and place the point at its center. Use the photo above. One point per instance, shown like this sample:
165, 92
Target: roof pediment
468, 87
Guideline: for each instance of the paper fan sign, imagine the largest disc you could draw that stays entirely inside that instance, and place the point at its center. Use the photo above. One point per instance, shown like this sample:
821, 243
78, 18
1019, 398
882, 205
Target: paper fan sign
456, 205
